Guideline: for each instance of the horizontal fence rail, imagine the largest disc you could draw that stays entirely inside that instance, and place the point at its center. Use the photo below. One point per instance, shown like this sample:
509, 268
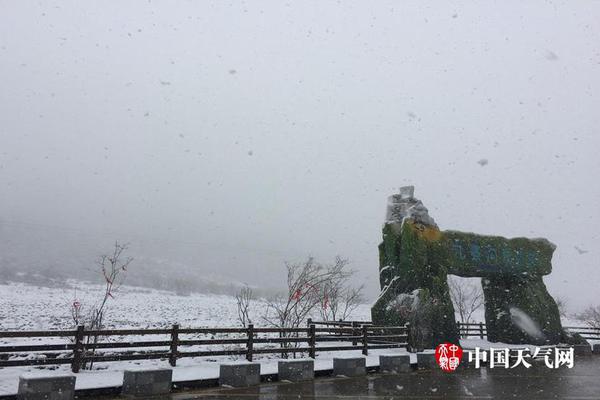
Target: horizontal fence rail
85, 347
466, 329
585, 332
479, 330
340, 323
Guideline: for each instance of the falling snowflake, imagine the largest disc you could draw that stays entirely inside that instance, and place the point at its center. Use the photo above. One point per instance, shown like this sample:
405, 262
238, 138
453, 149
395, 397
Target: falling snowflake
551, 56
580, 250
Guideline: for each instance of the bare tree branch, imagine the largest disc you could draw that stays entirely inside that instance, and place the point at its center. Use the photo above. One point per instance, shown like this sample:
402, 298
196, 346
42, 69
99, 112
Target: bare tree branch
591, 316
113, 268
307, 282
466, 297
243, 299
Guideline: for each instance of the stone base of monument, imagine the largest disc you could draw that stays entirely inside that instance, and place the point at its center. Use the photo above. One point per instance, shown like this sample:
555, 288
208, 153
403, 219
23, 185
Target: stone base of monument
582, 349
349, 366
426, 360
296, 370
151, 382
239, 374
394, 363
596, 348
38, 387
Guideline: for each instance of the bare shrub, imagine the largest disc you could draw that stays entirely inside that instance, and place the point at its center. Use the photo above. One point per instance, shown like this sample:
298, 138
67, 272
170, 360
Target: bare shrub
591, 316
562, 306
306, 283
339, 300
243, 299
112, 268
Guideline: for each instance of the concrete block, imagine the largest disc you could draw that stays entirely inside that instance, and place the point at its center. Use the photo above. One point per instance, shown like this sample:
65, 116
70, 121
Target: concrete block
350, 366
582, 349
394, 363
149, 382
296, 370
596, 348
466, 364
239, 374
46, 387
426, 360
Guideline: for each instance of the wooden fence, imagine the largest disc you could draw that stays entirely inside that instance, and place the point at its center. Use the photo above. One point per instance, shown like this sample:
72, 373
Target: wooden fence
479, 330
466, 330
585, 332
90, 346
340, 322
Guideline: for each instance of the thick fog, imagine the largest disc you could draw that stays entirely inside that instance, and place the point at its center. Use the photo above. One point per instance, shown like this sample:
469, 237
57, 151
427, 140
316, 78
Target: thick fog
223, 138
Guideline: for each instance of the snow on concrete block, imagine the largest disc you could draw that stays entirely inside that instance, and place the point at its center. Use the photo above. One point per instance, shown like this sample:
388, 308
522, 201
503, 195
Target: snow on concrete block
239, 374
426, 360
53, 387
349, 366
596, 348
147, 382
394, 363
582, 349
296, 370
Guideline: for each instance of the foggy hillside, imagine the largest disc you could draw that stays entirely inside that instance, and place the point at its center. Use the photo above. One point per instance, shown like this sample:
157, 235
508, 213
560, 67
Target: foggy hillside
222, 139
48, 256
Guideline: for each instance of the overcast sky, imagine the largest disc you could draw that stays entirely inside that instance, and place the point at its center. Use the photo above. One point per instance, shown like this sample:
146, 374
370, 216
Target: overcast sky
232, 136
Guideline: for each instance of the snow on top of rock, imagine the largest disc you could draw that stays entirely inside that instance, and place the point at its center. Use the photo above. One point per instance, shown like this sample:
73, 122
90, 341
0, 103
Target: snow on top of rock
385, 268
405, 205
409, 301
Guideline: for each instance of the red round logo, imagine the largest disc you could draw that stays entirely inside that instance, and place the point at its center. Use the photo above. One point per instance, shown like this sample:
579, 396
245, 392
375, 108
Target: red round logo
448, 356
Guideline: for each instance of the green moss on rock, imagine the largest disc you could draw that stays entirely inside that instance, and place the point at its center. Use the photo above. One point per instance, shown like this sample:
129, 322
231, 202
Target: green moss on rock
519, 309
413, 290
415, 260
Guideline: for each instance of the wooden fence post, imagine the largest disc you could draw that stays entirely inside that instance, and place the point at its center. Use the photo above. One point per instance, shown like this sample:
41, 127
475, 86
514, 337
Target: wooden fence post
481, 330
365, 343
312, 341
354, 333
250, 342
78, 350
309, 322
408, 336
174, 343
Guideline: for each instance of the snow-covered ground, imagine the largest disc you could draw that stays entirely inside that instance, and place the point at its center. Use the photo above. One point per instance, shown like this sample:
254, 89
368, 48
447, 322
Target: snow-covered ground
26, 307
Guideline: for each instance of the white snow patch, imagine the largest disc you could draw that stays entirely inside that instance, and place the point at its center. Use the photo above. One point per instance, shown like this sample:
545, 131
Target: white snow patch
405, 300
525, 323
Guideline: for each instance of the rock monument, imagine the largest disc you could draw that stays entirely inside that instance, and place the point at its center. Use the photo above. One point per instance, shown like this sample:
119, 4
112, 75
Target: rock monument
415, 258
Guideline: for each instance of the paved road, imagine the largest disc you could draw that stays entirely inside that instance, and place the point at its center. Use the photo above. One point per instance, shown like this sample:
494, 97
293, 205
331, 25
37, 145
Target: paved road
538, 382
